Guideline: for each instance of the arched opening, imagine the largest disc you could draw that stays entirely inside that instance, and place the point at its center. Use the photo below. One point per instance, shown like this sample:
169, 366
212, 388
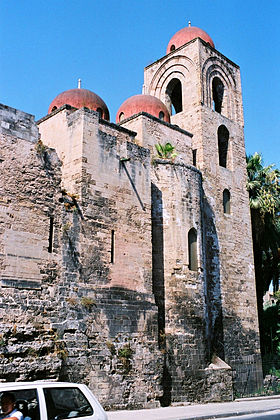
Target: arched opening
172, 48
100, 112
223, 137
226, 201
192, 244
174, 96
217, 94
54, 108
161, 115
121, 116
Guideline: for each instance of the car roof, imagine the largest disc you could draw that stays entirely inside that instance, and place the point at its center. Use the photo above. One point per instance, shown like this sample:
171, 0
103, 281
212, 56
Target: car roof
35, 383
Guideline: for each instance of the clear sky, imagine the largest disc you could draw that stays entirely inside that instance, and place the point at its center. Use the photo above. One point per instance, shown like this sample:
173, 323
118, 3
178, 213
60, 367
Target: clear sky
47, 45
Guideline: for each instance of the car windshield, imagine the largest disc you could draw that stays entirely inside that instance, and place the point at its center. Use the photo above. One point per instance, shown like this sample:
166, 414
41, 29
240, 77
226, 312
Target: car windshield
64, 403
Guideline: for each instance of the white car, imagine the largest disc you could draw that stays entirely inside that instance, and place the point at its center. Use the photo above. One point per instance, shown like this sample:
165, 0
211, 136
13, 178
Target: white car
45, 400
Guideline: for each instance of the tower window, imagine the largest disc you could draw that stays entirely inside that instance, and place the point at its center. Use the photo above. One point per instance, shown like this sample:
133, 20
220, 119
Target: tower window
112, 246
226, 201
218, 94
192, 244
50, 247
121, 116
223, 137
54, 108
174, 96
161, 115
172, 48
194, 152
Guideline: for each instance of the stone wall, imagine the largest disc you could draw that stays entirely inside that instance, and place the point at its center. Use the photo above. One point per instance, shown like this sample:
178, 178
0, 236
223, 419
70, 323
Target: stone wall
231, 314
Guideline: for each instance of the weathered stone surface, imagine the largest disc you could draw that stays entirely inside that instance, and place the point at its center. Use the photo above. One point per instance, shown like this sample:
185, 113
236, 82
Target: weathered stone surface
123, 270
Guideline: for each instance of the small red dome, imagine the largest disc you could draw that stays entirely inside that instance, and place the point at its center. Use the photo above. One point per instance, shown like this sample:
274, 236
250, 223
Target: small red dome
143, 103
185, 35
80, 98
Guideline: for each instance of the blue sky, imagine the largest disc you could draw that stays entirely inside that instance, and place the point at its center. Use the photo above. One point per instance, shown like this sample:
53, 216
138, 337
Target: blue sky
47, 45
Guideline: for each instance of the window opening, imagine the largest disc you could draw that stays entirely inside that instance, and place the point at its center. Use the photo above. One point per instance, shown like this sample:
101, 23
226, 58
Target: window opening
112, 246
63, 403
172, 48
223, 137
121, 116
174, 96
192, 244
51, 226
54, 108
226, 201
194, 156
26, 401
161, 115
218, 94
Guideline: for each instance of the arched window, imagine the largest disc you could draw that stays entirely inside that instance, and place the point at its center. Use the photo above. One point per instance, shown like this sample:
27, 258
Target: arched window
174, 96
100, 112
218, 94
226, 201
223, 137
172, 48
161, 115
54, 108
192, 244
121, 116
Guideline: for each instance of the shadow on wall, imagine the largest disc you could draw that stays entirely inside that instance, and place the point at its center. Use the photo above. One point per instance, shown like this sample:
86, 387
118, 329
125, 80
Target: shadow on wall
214, 315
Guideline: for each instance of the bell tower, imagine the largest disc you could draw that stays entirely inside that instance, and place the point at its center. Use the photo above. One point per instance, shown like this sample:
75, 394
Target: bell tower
201, 88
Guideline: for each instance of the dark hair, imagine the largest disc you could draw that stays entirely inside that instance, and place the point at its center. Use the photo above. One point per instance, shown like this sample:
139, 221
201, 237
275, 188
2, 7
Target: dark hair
8, 395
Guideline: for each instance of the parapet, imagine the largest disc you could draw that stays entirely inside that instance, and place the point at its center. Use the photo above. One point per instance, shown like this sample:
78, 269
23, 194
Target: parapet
18, 124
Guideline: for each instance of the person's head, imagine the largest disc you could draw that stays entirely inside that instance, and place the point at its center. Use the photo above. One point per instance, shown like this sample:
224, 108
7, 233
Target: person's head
7, 402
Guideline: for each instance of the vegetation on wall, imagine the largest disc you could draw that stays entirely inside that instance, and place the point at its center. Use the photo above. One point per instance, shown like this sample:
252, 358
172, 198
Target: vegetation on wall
166, 151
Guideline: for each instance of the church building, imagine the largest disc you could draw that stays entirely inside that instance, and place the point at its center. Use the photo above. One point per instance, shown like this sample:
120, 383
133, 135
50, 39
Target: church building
126, 258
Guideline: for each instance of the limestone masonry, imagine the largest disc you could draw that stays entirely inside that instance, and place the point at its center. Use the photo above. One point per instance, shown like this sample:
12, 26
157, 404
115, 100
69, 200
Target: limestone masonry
123, 269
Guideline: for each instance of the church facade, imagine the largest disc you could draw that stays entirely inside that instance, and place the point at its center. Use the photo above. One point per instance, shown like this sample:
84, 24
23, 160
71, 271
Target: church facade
124, 264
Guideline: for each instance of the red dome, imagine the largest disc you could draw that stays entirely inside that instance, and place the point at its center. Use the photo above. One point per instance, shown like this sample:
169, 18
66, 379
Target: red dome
143, 103
185, 35
80, 98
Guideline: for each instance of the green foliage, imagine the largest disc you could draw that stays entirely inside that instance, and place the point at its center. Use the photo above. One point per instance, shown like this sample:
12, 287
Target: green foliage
125, 352
40, 147
166, 151
271, 329
125, 356
88, 302
263, 184
111, 347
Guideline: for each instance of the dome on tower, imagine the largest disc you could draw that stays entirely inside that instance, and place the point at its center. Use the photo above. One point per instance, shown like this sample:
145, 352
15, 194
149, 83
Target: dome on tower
188, 34
80, 98
143, 103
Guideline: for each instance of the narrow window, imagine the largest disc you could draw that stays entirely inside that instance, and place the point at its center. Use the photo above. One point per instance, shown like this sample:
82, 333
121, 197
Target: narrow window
121, 116
192, 243
54, 108
50, 247
218, 94
100, 112
112, 246
161, 115
194, 156
223, 137
226, 201
172, 48
174, 96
